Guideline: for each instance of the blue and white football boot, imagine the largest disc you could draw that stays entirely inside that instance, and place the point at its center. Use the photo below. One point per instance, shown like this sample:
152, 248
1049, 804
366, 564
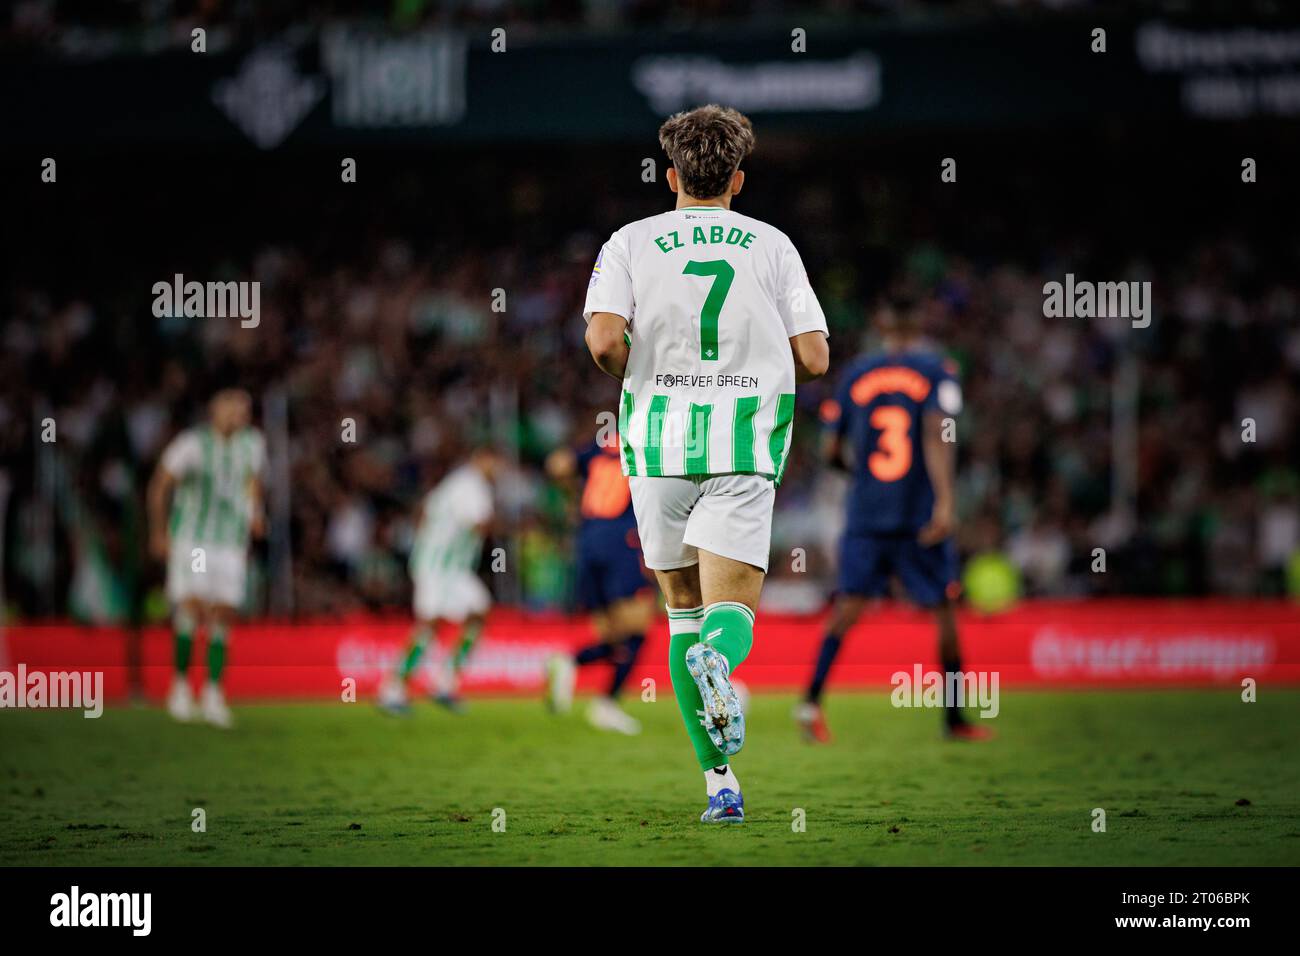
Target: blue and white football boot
724, 718
725, 806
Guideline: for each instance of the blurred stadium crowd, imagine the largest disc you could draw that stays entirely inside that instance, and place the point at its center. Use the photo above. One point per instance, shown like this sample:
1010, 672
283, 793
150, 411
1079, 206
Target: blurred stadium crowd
378, 308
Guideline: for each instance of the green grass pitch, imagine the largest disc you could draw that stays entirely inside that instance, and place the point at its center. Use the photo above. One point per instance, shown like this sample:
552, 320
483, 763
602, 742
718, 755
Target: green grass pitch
342, 784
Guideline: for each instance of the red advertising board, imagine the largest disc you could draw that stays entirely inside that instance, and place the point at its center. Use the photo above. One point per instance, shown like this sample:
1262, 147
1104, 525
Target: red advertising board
1048, 643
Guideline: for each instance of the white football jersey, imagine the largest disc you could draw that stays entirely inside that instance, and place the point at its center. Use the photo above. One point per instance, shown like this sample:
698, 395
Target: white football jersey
214, 502
711, 299
447, 539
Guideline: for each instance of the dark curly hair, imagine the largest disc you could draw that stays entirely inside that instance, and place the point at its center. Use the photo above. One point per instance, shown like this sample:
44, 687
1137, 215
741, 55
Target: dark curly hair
706, 145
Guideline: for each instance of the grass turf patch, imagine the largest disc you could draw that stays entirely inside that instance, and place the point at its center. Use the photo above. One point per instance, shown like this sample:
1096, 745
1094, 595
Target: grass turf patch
1184, 778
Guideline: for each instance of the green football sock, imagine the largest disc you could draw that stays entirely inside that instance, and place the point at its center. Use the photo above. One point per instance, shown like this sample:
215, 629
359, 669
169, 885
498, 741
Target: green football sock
729, 628
687, 694
184, 643
468, 635
415, 651
216, 652
183, 640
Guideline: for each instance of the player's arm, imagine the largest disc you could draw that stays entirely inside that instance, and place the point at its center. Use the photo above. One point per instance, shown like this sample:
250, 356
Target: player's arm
833, 451
941, 466
833, 414
257, 498
802, 315
607, 343
812, 355
157, 499
257, 489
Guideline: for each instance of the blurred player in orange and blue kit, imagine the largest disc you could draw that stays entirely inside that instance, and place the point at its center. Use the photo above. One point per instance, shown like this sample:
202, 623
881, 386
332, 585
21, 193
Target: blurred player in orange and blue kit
611, 580
886, 425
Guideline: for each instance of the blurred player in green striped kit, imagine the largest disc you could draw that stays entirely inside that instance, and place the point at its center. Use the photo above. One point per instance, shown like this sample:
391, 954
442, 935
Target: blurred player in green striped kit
205, 501
454, 520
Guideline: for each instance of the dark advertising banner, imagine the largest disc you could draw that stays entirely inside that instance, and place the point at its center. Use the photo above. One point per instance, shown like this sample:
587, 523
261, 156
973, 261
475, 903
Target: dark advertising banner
353, 84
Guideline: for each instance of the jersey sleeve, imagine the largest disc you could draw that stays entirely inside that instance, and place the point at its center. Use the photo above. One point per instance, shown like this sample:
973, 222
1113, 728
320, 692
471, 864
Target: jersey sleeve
945, 395
610, 288
796, 300
183, 455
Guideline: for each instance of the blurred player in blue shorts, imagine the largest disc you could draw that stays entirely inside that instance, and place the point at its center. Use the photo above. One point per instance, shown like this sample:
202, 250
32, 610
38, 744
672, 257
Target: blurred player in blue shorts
890, 425
611, 580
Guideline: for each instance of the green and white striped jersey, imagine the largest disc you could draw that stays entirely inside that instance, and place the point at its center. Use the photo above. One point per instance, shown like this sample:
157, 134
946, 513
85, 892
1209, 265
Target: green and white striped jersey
447, 540
711, 299
213, 502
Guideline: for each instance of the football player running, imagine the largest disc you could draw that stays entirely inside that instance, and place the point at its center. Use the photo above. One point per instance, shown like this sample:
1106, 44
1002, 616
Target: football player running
707, 318
455, 518
885, 426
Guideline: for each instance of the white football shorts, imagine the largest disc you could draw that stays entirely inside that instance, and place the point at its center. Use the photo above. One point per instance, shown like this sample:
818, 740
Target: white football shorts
450, 596
221, 581
727, 515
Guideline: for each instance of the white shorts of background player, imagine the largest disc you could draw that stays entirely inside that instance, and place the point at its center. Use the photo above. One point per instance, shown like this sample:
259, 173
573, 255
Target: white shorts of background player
450, 596
222, 580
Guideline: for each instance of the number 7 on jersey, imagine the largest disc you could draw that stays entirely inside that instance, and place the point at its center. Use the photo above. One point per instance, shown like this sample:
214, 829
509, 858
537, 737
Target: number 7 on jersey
723, 274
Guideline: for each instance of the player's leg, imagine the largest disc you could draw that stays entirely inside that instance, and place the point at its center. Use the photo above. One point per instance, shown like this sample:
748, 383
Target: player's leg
561, 669
630, 609
863, 573
471, 610
845, 612
956, 726
448, 690
182, 594
731, 528
602, 647
590, 574
416, 647
564, 668
945, 620
681, 588
465, 602
663, 506
426, 596
223, 592
628, 620
218, 618
393, 695
186, 616
730, 589
929, 575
